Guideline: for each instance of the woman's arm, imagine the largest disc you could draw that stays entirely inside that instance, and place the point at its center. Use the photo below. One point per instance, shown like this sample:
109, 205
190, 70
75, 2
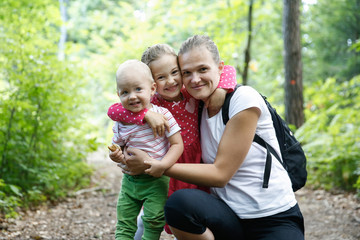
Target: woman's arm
233, 148
157, 168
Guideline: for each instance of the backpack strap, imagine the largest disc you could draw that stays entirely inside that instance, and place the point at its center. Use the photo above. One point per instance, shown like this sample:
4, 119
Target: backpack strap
225, 106
257, 139
269, 149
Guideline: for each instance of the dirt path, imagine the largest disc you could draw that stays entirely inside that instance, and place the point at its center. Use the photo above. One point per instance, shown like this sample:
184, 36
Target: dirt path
90, 213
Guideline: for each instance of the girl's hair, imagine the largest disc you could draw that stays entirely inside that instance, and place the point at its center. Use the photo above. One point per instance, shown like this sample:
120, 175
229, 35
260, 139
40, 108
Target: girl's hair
155, 52
198, 41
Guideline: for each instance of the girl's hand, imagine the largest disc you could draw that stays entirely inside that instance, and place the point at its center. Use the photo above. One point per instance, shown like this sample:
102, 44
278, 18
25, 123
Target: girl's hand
158, 123
156, 168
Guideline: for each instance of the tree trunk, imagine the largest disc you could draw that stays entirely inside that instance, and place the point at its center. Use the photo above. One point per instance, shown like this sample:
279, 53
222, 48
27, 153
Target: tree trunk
63, 34
247, 50
4, 163
293, 66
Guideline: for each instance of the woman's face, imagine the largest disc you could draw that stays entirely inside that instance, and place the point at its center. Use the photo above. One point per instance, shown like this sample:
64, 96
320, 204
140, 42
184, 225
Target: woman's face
166, 74
200, 73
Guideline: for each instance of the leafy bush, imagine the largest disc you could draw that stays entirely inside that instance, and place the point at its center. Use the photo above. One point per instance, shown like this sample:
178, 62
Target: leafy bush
331, 134
43, 128
9, 199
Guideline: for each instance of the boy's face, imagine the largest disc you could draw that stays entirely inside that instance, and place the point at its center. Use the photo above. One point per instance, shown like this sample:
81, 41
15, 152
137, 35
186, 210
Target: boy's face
200, 73
166, 74
135, 90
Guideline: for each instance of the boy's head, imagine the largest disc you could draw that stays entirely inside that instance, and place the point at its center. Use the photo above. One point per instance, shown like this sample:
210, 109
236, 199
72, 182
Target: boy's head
200, 65
135, 85
162, 60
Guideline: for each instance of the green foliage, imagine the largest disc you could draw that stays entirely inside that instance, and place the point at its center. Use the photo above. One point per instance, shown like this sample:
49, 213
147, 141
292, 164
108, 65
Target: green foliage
330, 30
110, 32
9, 199
47, 106
43, 135
331, 134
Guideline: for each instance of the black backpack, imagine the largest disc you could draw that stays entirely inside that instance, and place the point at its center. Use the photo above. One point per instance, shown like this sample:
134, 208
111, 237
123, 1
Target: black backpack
294, 159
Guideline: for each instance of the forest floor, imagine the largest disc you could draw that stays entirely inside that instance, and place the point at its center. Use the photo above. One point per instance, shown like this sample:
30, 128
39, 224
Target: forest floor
91, 213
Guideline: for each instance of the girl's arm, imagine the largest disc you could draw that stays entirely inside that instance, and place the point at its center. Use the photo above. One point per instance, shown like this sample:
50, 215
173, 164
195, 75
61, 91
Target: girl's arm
157, 168
118, 113
228, 78
156, 121
227, 84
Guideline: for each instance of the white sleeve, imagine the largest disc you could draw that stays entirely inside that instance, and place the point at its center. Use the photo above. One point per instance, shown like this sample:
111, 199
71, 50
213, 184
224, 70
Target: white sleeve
117, 136
245, 97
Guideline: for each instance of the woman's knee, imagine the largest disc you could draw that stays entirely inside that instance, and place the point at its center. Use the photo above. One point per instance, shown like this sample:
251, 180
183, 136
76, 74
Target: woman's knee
184, 200
182, 208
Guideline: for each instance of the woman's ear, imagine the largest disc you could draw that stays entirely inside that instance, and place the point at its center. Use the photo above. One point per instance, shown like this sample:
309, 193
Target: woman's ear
221, 67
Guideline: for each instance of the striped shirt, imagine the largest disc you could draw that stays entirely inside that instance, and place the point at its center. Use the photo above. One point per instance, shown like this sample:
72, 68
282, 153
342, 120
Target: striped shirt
142, 137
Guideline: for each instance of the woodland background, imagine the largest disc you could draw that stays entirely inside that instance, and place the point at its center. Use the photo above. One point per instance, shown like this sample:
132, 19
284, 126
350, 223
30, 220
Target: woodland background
58, 60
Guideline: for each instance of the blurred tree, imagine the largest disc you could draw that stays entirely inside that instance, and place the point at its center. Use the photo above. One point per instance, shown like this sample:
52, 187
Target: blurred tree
63, 33
292, 61
248, 44
330, 29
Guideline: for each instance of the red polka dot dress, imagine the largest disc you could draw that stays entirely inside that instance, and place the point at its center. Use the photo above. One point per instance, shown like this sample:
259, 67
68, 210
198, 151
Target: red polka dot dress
186, 114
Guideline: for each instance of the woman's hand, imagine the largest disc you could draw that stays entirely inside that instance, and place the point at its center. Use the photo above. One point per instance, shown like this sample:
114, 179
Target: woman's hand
158, 123
134, 160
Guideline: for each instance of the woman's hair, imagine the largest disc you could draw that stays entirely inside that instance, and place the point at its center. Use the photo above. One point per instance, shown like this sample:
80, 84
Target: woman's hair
155, 52
198, 41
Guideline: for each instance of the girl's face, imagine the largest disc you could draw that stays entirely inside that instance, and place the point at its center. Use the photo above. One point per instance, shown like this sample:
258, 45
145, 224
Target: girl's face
166, 74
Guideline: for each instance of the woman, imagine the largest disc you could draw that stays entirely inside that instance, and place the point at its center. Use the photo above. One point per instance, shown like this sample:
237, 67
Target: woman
238, 207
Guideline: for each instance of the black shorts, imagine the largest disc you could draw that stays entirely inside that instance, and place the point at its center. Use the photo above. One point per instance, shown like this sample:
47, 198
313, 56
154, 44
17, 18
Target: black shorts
193, 211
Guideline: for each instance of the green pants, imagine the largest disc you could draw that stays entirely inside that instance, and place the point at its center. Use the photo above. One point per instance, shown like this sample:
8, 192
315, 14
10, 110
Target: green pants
138, 191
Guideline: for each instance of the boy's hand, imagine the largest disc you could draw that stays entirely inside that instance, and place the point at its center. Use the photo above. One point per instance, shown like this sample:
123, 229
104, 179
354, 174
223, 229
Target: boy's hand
158, 123
113, 147
116, 154
156, 168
